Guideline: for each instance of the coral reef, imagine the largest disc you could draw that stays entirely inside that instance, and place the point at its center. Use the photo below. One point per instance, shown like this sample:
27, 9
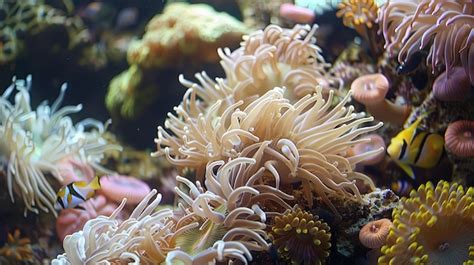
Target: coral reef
34, 141
117, 187
445, 27
459, 138
185, 33
434, 225
301, 237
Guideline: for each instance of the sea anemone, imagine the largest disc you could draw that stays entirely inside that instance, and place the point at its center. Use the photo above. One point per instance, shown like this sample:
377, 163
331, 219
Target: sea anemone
371, 90
452, 86
412, 25
277, 57
232, 206
17, 249
374, 234
34, 141
301, 237
307, 141
435, 225
117, 187
374, 142
459, 138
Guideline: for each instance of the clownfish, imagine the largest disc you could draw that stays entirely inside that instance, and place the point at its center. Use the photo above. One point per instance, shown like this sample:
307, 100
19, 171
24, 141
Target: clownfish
414, 147
73, 194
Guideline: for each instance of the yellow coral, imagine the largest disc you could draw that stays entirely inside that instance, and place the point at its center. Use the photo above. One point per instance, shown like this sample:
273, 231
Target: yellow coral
435, 225
301, 237
17, 248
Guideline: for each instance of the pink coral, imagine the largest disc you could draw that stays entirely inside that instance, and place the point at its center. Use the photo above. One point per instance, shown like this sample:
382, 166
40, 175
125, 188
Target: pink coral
374, 142
73, 220
117, 187
452, 86
296, 13
73, 170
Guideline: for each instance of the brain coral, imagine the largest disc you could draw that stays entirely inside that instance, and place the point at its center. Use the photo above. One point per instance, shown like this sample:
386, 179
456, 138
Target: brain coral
435, 225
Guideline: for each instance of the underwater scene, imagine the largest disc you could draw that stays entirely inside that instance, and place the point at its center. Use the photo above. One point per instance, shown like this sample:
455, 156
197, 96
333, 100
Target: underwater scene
206, 132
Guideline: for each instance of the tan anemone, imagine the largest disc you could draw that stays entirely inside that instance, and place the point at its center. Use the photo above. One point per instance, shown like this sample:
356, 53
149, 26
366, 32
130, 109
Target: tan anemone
305, 142
445, 26
35, 141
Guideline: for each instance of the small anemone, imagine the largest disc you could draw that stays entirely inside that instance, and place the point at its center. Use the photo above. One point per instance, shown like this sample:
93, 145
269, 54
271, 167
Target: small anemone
301, 237
435, 225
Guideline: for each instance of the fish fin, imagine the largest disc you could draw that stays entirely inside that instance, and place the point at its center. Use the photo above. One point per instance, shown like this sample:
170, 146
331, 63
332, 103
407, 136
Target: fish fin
408, 169
95, 183
81, 184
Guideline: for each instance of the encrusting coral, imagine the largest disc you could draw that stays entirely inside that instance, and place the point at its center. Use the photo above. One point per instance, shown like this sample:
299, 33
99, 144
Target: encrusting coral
185, 33
445, 26
34, 141
301, 237
435, 225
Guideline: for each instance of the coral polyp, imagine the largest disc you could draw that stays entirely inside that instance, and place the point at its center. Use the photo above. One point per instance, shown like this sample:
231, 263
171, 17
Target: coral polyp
17, 249
301, 237
435, 225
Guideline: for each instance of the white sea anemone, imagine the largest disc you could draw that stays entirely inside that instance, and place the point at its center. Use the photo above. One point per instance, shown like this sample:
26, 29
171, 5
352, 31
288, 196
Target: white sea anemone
33, 141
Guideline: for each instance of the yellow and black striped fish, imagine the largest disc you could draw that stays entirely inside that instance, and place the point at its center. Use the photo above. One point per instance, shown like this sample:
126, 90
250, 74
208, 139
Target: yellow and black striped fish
73, 194
414, 147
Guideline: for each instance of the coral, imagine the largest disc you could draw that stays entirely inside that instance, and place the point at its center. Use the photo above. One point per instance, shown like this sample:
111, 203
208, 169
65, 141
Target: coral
375, 205
301, 237
72, 170
459, 138
117, 187
435, 225
452, 86
70, 221
35, 141
358, 13
375, 142
295, 138
296, 13
128, 95
371, 90
412, 25
17, 249
185, 33
374, 234
348, 72
26, 18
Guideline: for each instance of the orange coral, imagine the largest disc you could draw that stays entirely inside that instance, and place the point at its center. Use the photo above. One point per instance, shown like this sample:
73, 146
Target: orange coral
374, 234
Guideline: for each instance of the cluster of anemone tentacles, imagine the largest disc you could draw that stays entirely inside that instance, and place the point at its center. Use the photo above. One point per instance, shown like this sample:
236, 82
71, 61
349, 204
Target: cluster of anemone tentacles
445, 27
34, 141
270, 125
